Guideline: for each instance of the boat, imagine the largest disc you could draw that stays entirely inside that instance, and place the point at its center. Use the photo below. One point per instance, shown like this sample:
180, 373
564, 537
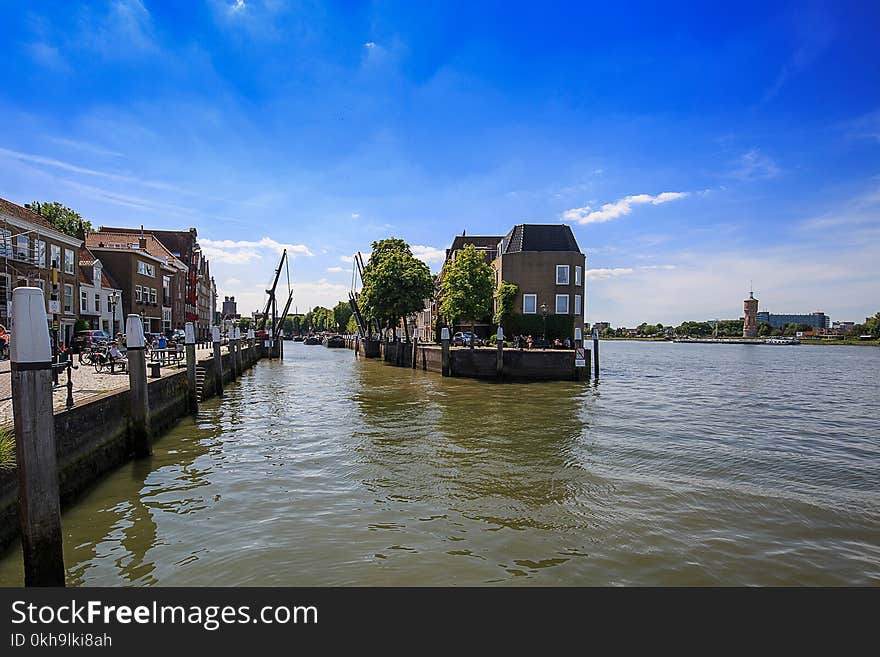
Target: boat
334, 341
298, 338
782, 341
311, 340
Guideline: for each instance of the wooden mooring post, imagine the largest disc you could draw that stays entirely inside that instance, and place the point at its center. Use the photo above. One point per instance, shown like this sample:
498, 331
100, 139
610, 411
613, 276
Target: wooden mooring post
499, 361
139, 418
39, 500
190, 342
218, 361
444, 340
596, 353
238, 355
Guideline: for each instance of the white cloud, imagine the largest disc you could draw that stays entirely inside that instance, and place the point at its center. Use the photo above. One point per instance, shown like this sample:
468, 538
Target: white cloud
429, 254
243, 251
335, 270
355, 215
753, 165
609, 211
602, 274
348, 259
237, 6
370, 44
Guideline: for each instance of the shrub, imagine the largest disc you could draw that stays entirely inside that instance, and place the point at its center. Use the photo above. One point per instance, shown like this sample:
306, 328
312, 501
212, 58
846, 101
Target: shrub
7, 449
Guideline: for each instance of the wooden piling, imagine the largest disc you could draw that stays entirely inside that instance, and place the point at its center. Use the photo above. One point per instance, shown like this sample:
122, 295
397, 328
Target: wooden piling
499, 361
415, 350
596, 353
218, 361
190, 342
238, 355
139, 418
31, 379
446, 364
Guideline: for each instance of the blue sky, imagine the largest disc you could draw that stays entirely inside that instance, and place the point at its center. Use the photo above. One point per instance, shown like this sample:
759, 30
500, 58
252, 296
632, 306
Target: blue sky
692, 149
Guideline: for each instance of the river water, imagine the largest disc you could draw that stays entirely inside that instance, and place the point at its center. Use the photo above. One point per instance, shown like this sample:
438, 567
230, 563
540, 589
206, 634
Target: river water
686, 464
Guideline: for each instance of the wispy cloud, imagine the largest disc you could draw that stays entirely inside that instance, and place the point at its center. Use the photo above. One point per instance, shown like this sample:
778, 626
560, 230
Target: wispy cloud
619, 208
348, 259
429, 254
242, 252
866, 126
335, 270
237, 6
602, 274
753, 165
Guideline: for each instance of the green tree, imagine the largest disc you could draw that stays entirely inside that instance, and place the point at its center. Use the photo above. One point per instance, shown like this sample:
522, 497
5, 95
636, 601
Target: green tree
467, 287
505, 295
341, 315
765, 330
245, 324
396, 283
62, 217
351, 327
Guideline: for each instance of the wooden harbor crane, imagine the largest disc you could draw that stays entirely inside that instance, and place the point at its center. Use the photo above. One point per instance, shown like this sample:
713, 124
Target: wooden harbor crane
275, 346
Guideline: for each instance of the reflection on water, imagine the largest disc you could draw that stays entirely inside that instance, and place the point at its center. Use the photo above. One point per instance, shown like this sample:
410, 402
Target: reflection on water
687, 464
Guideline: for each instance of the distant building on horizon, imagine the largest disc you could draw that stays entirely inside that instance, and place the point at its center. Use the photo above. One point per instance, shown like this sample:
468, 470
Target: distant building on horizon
750, 314
818, 320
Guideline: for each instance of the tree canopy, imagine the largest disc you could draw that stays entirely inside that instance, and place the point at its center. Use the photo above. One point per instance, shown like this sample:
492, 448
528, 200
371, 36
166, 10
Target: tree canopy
62, 217
396, 283
467, 286
341, 315
505, 296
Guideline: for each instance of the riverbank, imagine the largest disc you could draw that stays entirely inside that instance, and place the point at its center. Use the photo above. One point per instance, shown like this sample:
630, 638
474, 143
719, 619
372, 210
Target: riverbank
834, 343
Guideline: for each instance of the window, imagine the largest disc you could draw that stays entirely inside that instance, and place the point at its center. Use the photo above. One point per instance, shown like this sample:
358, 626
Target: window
5, 294
97, 303
577, 304
55, 256
138, 293
41, 254
561, 304
530, 304
22, 247
83, 301
146, 268
152, 295
68, 299
562, 274
578, 275
6, 243
68, 261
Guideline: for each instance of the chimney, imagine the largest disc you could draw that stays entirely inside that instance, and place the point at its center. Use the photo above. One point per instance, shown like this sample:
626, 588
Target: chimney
142, 243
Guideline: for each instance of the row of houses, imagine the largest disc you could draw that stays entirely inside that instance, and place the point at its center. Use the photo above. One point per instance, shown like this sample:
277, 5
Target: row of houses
545, 263
160, 275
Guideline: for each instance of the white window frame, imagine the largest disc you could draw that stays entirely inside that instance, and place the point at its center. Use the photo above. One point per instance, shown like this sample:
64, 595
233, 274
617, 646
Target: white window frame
97, 303
5, 282
68, 261
68, 310
560, 297
83, 300
41, 254
578, 275
55, 256
138, 294
146, 269
152, 295
564, 268
578, 308
6, 249
22, 247
534, 297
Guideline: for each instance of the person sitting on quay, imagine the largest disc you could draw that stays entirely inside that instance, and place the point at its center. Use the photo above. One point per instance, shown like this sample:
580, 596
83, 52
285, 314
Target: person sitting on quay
163, 343
114, 355
529, 342
4, 343
557, 344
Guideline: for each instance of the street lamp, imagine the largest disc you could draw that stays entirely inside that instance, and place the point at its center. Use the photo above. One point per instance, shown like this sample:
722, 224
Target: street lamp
544, 314
114, 299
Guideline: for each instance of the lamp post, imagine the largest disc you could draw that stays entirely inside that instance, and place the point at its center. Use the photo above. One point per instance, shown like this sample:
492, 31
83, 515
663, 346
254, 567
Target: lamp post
544, 315
114, 299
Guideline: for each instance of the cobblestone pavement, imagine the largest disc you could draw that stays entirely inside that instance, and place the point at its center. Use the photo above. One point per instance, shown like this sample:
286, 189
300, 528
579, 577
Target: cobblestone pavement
86, 384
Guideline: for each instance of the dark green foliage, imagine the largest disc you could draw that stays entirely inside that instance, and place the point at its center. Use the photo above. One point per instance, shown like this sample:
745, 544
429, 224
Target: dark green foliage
62, 217
558, 326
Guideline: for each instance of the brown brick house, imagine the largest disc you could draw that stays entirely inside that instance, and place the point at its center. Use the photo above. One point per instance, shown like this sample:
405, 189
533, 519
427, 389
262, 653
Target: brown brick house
37, 254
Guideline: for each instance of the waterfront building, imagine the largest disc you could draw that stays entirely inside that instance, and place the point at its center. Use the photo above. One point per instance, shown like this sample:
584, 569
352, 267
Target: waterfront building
750, 317
199, 291
601, 326
150, 277
37, 254
542, 260
100, 297
230, 310
547, 266
816, 319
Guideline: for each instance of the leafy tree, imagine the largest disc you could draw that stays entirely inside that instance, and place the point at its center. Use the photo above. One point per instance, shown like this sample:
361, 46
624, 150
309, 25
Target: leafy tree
287, 326
245, 324
351, 327
62, 217
466, 287
396, 283
505, 295
341, 315
765, 330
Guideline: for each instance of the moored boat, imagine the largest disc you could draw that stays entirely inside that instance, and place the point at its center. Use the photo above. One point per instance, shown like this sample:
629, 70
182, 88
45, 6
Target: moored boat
334, 341
311, 340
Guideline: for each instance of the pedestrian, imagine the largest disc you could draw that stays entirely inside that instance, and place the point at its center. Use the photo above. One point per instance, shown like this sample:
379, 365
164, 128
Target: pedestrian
567, 342
529, 342
162, 342
4, 342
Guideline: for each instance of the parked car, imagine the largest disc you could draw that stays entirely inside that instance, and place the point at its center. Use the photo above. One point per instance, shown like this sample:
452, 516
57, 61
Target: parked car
83, 340
463, 339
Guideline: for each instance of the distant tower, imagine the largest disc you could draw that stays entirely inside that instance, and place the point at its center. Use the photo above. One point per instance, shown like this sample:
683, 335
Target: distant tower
750, 316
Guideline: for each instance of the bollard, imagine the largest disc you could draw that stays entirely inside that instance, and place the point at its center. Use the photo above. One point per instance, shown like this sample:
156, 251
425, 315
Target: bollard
444, 339
578, 341
596, 353
251, 344
499, 361
238, 353
230, 347
190, 342
415, 348
31, 377
139, 429
218, 362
